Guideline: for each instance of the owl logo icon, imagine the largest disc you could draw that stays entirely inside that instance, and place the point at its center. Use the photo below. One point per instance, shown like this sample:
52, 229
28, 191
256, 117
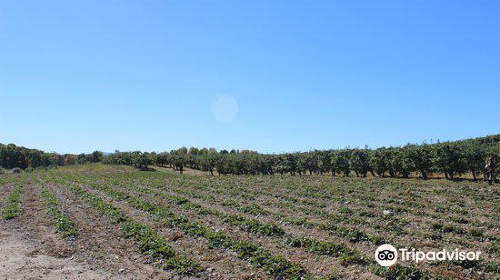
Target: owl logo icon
386, 255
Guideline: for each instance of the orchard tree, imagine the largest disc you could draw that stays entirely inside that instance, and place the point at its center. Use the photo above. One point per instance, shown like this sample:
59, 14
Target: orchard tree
222, 164
475, 156
401, 163
182, 151
178, 162
96, 156
324, 161
193, 151
449, 159
379, 160
359, 162
291, 163
420, 158
340, 162
209, 162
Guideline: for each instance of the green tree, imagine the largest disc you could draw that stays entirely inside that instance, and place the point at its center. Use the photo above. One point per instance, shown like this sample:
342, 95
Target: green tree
379, 160
96, 156
449, 159
360, 162
420, 158
475, 156
340, 162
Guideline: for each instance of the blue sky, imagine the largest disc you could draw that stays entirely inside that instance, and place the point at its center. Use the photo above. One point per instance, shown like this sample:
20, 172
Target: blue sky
81, 75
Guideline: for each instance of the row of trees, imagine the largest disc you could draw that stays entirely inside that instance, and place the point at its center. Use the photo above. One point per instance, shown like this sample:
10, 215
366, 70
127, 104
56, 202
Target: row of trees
12, 156
449, 158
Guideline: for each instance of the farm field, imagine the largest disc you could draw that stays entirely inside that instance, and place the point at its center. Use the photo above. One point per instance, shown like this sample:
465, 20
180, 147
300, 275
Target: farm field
96, 221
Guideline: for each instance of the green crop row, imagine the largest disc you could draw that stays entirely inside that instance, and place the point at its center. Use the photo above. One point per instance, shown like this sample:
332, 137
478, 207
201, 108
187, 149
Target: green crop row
249, 225
347, 255
316, 246
63, 224
275, 265
352, 234
147, 239
13, 203
399, 272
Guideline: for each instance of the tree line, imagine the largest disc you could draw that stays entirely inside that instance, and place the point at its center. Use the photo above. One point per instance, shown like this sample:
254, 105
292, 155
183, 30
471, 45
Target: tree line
12, 156
475, 156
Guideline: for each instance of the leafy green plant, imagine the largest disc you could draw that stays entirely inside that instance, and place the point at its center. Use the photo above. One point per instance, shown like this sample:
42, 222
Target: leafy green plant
253, 209
147, 239
13, 204
347, 255
273, 264
399, 272
63, 223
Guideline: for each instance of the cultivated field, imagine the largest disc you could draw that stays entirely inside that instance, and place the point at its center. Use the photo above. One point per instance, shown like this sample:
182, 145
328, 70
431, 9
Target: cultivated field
96, 221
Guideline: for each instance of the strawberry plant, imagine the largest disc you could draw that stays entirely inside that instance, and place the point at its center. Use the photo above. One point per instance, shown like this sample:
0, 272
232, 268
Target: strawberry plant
13, 203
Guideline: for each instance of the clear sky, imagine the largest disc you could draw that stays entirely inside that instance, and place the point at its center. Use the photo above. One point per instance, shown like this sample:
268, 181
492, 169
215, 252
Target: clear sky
267, 75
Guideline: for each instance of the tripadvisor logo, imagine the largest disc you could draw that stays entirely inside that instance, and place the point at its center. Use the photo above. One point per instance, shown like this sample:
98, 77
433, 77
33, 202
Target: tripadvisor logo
387, 255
